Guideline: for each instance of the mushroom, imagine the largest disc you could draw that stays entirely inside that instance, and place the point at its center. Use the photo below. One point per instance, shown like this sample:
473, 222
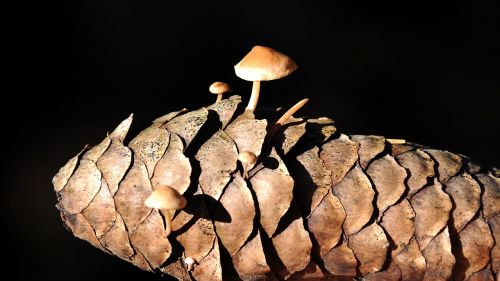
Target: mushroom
167, 200
263, 64
219, 89
247, 159
190, 263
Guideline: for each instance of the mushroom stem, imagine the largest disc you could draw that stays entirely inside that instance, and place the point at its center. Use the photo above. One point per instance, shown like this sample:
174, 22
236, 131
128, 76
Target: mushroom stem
290, 112
168, 220
219, 98
396, 141
245, 171
254, 98
274, 128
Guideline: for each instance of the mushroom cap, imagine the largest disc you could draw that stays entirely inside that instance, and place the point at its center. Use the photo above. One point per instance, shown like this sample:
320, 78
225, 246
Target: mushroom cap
247, 157
219, 88
165, 197
263, 64
189, 261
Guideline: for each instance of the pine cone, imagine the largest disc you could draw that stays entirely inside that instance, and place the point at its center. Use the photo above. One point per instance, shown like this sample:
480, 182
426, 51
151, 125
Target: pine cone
316, 205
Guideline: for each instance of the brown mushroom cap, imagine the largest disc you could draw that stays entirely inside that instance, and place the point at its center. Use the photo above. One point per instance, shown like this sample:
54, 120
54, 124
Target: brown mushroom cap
219, 88
263, 64
165, 197
247, 157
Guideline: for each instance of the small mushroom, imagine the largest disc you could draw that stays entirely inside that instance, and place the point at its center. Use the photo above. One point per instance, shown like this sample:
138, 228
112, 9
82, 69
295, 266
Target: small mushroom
263, 64
167, 200
219, 89
190, 263
247, 159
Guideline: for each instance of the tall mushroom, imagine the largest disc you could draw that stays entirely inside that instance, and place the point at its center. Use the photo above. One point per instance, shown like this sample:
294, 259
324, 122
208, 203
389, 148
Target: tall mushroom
263, 64
219, 89
167, 200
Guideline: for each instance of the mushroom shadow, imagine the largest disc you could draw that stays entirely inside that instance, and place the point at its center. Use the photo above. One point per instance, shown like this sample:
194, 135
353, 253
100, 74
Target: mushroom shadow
270, 162
314, 136
280, 136
218, 211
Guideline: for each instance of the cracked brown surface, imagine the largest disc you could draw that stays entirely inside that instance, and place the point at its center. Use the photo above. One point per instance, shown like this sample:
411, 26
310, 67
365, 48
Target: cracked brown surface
318, 205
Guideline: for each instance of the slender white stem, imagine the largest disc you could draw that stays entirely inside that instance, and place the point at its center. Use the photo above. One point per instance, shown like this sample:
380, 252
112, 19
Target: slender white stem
168, 221
219, 98
254, 98
290, 112
275, 127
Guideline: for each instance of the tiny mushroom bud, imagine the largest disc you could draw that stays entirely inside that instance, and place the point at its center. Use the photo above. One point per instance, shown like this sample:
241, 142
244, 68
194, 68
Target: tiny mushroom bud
219, 89
167, 200
190, 263
263, 64
247, 159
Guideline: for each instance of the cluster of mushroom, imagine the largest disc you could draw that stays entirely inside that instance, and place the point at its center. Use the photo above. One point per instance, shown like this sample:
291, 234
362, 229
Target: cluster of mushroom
260, 64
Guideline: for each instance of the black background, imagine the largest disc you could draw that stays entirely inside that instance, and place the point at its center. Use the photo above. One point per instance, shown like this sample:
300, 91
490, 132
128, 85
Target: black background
422, 72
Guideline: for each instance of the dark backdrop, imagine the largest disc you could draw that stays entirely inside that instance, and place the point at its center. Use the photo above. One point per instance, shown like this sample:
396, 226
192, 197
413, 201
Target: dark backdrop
422, 72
